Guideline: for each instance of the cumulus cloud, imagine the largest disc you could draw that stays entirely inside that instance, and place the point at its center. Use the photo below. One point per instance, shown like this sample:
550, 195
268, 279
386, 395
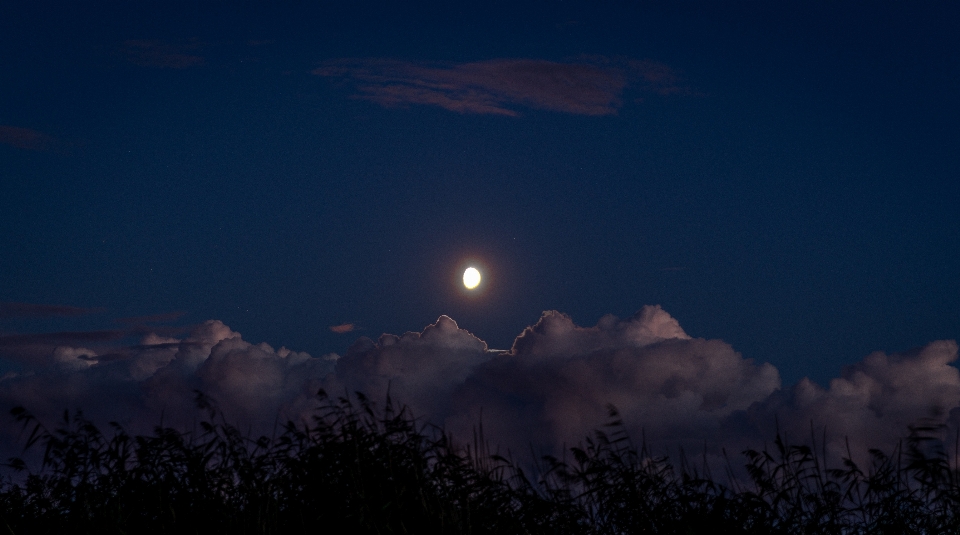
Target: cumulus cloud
554, 385
559, 378
590, 86
419, 369
255, 385
552, 388
874, 401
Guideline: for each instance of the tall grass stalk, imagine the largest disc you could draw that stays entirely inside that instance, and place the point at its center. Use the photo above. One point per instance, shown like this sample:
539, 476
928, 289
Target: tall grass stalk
383, 471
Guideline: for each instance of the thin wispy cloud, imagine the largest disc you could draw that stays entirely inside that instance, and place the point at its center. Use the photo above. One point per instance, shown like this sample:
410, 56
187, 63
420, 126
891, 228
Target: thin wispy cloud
25, 138
343, 328
592, 86
33, 310
156, 53
58, 338
166, 317
40, 349
659, 78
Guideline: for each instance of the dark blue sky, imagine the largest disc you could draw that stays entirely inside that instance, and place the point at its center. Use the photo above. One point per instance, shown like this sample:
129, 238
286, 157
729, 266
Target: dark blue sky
780, 175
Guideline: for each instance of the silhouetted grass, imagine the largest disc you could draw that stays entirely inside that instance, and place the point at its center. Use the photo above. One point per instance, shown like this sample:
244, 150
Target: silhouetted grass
381, 471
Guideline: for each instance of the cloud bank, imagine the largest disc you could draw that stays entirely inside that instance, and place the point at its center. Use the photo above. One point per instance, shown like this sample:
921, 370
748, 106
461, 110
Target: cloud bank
550, 389
591, 86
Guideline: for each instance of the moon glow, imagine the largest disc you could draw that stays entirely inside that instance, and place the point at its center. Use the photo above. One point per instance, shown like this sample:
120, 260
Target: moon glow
471, 278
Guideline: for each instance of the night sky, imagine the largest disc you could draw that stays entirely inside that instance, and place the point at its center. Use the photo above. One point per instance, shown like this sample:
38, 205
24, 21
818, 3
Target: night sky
778, 176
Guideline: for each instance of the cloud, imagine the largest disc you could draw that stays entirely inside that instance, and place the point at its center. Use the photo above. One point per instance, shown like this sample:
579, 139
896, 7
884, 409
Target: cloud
31, 310
25, 138
874, 401
255, 385
591, 86
555, 383
561, 377
31, 348
34, 348
659, 78
419, 369
343, 328
155, 53
551, 389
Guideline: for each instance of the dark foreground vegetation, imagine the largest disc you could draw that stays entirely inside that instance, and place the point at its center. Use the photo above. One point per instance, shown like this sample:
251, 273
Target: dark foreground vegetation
360, 470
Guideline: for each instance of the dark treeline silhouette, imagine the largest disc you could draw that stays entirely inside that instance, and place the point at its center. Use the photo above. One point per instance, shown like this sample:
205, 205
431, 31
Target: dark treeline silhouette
359, 469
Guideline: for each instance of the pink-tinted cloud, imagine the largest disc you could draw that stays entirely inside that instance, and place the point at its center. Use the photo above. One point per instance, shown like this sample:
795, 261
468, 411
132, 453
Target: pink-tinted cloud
25, 138
593, 86
343, 328
154, 53
659, 78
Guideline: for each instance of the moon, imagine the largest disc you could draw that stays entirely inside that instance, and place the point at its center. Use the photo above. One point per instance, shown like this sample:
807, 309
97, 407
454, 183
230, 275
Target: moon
471, 278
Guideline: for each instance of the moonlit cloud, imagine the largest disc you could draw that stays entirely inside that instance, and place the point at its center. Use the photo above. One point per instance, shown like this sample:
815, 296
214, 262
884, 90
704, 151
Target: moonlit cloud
559, 379
419, 369
552, 388
591, 86
33, 348
555, 383
254, 385
874, 401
